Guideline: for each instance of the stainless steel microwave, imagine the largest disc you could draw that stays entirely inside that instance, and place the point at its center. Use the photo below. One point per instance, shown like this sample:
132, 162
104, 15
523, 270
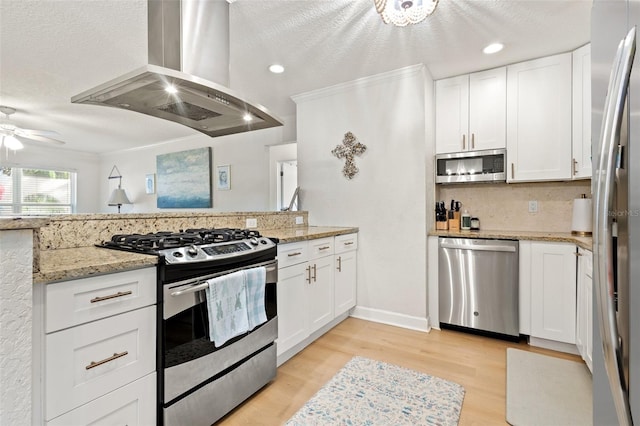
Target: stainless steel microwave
471, 166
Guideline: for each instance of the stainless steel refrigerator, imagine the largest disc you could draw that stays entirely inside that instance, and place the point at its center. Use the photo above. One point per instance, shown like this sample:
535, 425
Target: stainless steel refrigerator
616, 229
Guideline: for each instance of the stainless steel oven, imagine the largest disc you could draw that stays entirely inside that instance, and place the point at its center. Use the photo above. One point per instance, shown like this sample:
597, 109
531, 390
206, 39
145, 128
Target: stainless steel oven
202, 382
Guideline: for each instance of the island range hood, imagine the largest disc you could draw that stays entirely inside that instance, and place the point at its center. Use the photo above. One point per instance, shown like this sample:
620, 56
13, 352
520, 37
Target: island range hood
187, 73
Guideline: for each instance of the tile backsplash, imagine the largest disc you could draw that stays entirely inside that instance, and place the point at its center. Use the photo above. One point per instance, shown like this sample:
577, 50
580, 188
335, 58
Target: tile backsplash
502, 206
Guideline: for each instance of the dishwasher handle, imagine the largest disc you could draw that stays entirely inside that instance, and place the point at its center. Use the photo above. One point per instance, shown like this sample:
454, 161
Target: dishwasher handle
486, 247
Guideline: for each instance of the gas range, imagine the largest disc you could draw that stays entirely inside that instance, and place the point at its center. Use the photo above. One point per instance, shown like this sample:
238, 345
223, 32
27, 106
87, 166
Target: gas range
193, 371
194, 245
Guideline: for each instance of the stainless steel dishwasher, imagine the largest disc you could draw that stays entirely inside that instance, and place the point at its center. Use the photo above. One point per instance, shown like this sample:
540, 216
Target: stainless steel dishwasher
478, 284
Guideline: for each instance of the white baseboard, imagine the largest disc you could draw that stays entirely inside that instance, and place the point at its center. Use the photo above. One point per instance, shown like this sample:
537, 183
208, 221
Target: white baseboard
391, 318
553, 345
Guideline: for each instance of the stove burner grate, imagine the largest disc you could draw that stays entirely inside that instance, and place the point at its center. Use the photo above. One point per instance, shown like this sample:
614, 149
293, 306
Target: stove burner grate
153, 242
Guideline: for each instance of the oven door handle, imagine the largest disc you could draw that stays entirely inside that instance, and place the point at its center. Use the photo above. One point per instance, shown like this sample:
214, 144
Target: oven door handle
203, 285
191, 289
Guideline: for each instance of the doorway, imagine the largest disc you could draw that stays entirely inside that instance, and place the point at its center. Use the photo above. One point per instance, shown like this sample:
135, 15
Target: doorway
287, 183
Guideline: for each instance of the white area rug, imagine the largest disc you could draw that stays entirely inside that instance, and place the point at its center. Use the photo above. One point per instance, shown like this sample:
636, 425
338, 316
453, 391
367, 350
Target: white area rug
542, 390
368, 392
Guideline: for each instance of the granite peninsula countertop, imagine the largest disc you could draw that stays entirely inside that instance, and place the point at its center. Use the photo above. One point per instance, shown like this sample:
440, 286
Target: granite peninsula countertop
11, 223
72, 263
564, 237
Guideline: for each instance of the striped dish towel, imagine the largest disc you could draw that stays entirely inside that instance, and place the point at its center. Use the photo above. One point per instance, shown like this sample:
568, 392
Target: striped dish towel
255, 280
227, 305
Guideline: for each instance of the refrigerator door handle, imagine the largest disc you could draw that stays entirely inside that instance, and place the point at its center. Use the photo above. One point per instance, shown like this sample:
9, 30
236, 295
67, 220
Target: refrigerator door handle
602, 237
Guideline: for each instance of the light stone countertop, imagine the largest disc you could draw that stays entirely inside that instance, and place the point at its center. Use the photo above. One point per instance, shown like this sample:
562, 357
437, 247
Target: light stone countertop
82, 262
291, 235
11, 223
73, 263
564, 237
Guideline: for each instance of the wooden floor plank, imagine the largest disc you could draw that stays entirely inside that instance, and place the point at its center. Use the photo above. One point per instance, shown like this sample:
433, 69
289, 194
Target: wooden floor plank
477, 363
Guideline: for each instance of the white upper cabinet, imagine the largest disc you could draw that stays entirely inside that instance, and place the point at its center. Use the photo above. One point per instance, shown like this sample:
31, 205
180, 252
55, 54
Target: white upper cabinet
539, 119
488, 109
452, 114
471, 111
582, 112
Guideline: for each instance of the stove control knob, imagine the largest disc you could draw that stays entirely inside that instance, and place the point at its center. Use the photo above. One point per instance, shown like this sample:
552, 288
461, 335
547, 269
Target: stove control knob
264, 241
253, 241
192, 251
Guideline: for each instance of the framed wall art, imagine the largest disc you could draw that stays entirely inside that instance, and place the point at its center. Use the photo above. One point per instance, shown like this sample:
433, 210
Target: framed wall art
223, 177
184, 179
150, 183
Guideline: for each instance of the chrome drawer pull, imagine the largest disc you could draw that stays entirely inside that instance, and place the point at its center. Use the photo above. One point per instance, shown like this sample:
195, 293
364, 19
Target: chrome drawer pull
324, 248
294, 254
115, 356
111, 296
339, 268
348, 243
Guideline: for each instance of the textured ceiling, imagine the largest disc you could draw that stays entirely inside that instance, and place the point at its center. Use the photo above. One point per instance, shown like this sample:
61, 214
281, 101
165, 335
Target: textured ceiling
51, 50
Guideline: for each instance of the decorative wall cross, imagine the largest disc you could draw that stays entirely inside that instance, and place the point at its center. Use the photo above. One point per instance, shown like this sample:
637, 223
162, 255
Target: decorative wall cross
347, 150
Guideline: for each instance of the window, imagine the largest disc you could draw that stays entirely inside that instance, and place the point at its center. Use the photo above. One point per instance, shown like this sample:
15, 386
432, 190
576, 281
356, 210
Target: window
36, 192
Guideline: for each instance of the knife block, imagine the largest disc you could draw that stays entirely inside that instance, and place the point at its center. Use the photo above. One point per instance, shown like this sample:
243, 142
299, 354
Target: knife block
454, 224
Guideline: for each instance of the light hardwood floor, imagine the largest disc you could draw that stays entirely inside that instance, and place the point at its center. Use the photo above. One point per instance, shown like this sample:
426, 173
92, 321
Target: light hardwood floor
477, 363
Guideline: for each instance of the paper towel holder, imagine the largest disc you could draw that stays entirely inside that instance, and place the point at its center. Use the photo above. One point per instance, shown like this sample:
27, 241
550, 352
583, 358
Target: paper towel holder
578, 220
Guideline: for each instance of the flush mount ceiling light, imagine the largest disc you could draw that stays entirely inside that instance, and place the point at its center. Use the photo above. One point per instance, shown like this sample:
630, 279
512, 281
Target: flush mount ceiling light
404, 12
493, 48
276, 68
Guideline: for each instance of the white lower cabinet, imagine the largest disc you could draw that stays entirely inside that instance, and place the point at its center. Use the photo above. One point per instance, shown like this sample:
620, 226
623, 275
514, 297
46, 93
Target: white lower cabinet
89, 360
584, 316
311, 290
320, 292
131, 405
97, 356
345, 277
292, 306
553, 291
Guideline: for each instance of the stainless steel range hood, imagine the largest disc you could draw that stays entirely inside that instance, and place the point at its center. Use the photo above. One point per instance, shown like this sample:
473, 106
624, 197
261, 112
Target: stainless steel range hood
188, 71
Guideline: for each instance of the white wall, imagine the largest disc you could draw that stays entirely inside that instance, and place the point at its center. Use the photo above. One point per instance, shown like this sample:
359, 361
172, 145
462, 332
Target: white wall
84, 164
246, 153
387, 199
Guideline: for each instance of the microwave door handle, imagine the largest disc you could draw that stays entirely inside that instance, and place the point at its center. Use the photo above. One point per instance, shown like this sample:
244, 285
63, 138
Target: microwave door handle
602, 243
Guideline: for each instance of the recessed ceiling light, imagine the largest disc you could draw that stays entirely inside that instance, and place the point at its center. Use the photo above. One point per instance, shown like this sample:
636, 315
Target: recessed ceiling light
171, 89
247, 117
276, 69
493, 48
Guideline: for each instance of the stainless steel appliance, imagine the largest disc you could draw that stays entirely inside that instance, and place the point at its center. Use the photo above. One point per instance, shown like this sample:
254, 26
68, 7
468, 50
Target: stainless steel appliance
616, 211
478, 284
188, 73
471, 166
199, 381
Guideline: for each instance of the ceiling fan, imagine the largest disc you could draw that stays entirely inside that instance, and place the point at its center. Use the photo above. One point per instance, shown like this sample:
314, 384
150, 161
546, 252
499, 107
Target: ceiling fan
10, 134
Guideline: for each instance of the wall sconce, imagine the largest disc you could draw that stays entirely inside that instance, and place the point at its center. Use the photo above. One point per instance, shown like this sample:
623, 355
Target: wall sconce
118, 196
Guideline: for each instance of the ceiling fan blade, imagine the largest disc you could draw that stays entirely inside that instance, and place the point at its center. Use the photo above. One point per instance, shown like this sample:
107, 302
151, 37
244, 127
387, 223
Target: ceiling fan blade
39, 139
32, 132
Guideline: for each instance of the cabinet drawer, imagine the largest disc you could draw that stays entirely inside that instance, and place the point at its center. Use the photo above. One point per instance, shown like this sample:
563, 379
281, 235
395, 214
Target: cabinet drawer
76, 302
346, 243
292, 253
133, 405
90, 360
320, 247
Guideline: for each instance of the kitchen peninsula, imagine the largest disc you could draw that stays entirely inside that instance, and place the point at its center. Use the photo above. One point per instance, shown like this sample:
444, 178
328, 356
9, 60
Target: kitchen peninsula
64, 250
